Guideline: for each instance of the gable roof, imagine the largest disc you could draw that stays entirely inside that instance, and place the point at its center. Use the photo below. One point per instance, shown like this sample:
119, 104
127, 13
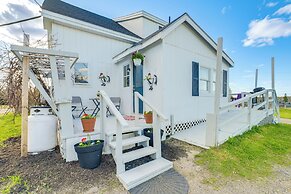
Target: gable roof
72, 11
160, 34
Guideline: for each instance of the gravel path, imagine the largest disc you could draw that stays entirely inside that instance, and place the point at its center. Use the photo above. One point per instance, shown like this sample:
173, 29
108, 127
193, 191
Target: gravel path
286, 121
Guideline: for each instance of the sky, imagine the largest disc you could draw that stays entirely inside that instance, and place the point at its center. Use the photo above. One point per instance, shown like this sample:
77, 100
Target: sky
253, 31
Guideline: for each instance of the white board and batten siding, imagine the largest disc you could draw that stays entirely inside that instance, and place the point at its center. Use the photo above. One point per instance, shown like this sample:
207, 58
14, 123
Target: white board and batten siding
97, 52
182, 47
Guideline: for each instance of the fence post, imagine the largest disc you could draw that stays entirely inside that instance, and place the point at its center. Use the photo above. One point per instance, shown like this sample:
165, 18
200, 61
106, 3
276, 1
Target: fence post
120, 166
211, 130
157, 134
250, 104
267, 103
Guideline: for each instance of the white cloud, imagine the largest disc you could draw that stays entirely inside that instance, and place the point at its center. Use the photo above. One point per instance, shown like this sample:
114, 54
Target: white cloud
13, 10
262, 32
284, 10
272, 4
225, 9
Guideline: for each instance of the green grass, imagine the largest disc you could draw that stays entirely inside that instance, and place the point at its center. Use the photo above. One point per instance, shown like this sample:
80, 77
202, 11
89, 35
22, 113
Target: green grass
9, 127
285, 113
13, 184
252, 154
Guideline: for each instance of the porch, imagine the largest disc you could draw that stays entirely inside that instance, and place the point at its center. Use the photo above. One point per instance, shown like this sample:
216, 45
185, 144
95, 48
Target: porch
233, 119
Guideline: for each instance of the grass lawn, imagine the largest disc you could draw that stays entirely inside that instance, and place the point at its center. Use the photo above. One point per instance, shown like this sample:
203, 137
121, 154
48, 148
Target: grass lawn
9, 128
252, 154
285, 113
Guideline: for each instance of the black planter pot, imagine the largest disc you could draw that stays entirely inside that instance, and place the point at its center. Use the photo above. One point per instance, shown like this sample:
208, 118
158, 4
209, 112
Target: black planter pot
148, 132
90, 156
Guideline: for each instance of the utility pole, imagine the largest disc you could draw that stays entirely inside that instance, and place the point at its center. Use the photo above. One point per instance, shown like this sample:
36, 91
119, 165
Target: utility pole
24, 95
256, 78
273, 73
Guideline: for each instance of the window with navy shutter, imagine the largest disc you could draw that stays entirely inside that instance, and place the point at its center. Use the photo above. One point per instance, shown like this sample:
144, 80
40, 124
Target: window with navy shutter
195, 79
224, 86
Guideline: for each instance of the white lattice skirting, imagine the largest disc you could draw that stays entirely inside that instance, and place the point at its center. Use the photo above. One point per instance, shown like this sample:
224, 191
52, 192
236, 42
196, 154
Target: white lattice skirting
180, 126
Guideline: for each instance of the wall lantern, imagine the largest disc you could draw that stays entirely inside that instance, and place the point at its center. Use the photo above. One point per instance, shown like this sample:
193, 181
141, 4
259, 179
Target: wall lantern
104, 79
151, 80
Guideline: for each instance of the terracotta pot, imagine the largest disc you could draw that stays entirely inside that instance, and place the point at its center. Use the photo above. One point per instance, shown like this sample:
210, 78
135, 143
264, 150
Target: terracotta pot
88, 124
148, 118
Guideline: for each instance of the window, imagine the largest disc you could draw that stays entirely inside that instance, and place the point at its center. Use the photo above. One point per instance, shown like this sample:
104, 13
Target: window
204, 79
126, 76
81, 73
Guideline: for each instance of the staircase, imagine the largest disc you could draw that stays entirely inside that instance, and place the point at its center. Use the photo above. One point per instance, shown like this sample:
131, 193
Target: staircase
126, 136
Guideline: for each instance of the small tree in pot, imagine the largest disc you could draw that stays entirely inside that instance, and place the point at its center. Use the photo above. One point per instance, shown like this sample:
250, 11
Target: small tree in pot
89, 152
88, 122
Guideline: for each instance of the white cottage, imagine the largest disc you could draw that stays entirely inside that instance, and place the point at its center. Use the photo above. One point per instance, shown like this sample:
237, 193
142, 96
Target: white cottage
176, 81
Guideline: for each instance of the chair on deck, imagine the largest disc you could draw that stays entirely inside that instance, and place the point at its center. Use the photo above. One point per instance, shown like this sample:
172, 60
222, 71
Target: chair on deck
77, 105
116, 101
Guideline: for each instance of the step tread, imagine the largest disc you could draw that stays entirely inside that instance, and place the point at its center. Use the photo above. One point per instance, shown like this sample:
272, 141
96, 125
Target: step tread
130, 141
136, 154
130, 129
143, 173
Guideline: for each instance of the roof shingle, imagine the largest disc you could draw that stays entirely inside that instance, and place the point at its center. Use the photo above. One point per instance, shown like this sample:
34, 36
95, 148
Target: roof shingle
72, 11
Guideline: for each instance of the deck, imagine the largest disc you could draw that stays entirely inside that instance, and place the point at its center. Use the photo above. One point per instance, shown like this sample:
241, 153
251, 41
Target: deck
197, 134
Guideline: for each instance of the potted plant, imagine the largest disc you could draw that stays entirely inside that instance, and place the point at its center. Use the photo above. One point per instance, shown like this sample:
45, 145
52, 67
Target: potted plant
148, 132
88, 122
89, 152
137, 58
148, 116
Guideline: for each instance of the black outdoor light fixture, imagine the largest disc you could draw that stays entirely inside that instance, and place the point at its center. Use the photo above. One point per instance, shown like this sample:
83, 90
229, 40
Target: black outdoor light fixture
104, 79
151, 80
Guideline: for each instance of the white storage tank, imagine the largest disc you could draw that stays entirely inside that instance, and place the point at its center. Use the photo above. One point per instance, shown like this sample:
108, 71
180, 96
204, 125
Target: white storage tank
42, 130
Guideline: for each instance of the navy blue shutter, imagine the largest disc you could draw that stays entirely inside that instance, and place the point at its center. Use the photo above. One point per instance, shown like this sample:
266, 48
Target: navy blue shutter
224, 86
195, 79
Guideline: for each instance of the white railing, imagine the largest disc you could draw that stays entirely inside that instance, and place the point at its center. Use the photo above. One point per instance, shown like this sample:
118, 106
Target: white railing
121, 123
244, 108
158, 118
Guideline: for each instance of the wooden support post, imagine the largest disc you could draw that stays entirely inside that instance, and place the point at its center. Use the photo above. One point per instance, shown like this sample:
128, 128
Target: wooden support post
273, 73
157, 135
24, 104
250, 105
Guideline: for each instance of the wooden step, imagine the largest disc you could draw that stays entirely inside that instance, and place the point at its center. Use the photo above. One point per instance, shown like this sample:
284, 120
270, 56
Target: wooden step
130, 141
143, 173
130, 129
139, 153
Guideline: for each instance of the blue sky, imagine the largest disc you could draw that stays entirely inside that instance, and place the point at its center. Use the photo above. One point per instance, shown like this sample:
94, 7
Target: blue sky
253, 31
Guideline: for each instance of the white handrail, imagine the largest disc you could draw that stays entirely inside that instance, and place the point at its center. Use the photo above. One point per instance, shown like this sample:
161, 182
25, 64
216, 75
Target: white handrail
113, 109
150, 106
244, 99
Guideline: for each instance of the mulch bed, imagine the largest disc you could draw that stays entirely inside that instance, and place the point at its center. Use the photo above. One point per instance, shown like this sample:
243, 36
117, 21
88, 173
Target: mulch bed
48, 172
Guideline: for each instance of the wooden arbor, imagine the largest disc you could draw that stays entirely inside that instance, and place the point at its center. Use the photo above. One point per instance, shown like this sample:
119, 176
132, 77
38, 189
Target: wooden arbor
55, 67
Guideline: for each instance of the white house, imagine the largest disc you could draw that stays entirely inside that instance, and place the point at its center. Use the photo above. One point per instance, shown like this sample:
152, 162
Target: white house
180, 66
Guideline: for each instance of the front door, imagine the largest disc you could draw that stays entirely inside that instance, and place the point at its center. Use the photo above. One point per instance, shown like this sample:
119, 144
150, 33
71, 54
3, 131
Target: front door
138, 84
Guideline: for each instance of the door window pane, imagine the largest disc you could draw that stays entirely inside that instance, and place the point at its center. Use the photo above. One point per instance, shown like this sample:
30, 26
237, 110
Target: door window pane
81, 73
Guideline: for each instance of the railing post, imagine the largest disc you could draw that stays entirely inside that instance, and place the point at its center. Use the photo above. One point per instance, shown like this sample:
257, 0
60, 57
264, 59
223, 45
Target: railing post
267, 103
136, 106
120, 166
250, 104
211, 130
157, 134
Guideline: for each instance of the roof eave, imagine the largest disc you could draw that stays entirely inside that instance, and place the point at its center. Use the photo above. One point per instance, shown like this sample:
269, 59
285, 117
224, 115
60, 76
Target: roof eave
72, 22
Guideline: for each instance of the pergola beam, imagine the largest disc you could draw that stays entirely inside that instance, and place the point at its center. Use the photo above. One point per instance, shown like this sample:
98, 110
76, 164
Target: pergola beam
50, 52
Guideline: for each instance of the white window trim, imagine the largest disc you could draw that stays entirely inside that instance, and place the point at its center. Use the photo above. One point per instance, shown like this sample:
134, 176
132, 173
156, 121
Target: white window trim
128, 75
204, 92
81, 84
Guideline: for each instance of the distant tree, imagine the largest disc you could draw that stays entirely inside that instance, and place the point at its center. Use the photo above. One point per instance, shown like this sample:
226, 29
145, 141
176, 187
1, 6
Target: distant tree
285, 100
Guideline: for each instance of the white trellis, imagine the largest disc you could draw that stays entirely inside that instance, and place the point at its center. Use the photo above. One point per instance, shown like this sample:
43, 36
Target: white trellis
55, 65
